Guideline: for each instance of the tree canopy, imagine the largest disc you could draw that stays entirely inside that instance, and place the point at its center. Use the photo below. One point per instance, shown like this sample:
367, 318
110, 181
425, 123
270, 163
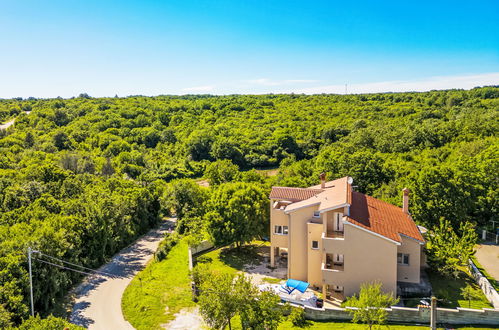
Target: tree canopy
81, 178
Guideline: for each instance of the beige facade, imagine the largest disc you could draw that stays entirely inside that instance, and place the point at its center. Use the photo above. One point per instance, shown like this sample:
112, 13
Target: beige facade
334, 253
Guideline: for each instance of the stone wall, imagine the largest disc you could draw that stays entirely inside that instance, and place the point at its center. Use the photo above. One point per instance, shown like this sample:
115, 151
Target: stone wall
485, 285
201, 247
458, 316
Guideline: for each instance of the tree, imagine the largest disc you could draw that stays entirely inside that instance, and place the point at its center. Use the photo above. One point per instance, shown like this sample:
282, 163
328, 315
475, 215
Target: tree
185, 197
469, 293
50, 323
218, 303
224, 295
370, 305
239, 212
221, 171
61, 140
446, 250
107, 168
258, 310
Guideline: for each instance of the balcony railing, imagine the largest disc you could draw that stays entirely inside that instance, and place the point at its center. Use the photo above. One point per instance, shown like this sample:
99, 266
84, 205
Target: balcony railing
335, 234
334, 266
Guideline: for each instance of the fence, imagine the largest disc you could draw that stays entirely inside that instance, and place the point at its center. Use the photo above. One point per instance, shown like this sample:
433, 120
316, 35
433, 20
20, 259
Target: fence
458, 316
485, 285
489, 236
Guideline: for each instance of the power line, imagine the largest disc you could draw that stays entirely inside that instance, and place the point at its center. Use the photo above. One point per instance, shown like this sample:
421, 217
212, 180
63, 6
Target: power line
64, 267
76, 265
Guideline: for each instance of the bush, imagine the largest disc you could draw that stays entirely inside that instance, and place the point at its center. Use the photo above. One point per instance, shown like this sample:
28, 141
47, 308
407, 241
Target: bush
297, 317
165, 246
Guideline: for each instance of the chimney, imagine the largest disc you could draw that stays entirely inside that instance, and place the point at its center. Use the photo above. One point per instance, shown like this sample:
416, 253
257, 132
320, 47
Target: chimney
405, 200
322, 176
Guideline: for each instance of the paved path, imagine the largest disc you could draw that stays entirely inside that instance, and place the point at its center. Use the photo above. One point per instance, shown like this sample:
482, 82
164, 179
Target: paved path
98, 299
488, 256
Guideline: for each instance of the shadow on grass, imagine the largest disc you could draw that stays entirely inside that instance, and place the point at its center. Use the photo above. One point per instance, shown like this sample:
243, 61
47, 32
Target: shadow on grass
448, 289
240, 257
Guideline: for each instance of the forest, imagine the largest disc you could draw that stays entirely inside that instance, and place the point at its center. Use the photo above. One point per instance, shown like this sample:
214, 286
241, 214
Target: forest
82, 178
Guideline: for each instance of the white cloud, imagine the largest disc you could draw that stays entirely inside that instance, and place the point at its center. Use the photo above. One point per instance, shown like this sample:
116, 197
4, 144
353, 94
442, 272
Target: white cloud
270, 82
432, 83
199, 89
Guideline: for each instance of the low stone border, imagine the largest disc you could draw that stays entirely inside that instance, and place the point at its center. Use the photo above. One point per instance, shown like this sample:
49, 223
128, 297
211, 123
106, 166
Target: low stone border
483, 282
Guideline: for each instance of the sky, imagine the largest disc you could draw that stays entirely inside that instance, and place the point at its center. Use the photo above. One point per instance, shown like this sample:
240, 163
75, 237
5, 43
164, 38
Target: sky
107, 48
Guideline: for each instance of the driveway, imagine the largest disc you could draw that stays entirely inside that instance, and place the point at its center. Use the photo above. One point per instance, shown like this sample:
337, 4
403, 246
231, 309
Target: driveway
488, 256
98, 299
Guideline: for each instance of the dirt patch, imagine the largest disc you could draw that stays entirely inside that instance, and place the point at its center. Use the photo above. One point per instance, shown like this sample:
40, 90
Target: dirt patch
203, 183
262, 273
187, 318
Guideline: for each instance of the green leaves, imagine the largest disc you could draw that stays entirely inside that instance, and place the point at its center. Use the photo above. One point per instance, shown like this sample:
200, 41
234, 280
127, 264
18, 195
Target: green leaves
239, 212
370, 304
447, 250
223, 295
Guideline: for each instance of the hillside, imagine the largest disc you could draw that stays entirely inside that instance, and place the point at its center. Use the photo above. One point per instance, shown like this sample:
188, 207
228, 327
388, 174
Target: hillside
81, 178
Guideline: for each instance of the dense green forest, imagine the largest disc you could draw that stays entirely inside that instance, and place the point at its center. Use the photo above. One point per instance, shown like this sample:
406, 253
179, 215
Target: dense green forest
81, 178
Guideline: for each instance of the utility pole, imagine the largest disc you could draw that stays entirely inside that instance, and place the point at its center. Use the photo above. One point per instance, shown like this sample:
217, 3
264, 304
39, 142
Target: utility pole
30, 251
433, 315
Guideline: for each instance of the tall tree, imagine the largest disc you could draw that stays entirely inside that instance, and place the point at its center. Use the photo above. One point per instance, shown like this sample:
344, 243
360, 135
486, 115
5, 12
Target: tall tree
239, 212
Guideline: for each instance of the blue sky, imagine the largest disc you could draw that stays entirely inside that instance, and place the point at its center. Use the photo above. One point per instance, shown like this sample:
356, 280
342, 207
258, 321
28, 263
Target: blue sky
63, 48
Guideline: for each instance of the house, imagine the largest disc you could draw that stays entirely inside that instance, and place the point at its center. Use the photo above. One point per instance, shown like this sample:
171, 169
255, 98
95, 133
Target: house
336, 238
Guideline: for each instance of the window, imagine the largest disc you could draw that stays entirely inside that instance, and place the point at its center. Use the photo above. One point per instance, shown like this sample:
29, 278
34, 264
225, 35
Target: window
402, 259
281, 230
315, 245
317, 214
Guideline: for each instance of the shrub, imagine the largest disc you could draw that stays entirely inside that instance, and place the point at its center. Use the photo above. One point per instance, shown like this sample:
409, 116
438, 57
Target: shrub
165, 246
297, 317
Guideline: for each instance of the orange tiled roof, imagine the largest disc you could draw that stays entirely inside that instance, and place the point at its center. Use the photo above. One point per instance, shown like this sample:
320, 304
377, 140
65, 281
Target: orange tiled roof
382, 218
293, 194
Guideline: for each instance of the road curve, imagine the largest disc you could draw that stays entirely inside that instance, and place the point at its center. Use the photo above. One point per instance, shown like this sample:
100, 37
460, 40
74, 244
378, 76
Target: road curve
98, 299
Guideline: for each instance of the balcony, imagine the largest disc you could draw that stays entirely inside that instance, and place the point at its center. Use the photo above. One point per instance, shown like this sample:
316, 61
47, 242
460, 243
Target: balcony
334, 262
334, 274
335, 234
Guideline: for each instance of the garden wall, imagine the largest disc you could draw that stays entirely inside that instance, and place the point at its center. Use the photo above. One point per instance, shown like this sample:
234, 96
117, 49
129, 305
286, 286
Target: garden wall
485, 285
461, 316
203, 246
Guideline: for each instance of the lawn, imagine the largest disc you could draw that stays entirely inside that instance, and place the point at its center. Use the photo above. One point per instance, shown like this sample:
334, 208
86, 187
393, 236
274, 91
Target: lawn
232, 260
448, 290
159, 291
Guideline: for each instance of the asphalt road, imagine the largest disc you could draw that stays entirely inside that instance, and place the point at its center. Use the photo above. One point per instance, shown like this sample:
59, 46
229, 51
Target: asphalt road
98, 299
488, 256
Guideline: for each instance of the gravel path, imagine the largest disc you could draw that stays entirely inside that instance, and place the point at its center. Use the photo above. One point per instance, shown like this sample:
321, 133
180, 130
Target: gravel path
10, 122
7, 124
98, 299
488, 256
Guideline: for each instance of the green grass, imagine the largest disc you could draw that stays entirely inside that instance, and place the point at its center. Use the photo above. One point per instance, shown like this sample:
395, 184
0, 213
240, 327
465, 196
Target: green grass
159, 291
285, 325
272, 280
493, 281
231, 260
448, 290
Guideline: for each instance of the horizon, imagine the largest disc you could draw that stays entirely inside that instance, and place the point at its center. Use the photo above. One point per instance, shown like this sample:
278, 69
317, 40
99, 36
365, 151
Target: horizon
237, 48
238, 94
